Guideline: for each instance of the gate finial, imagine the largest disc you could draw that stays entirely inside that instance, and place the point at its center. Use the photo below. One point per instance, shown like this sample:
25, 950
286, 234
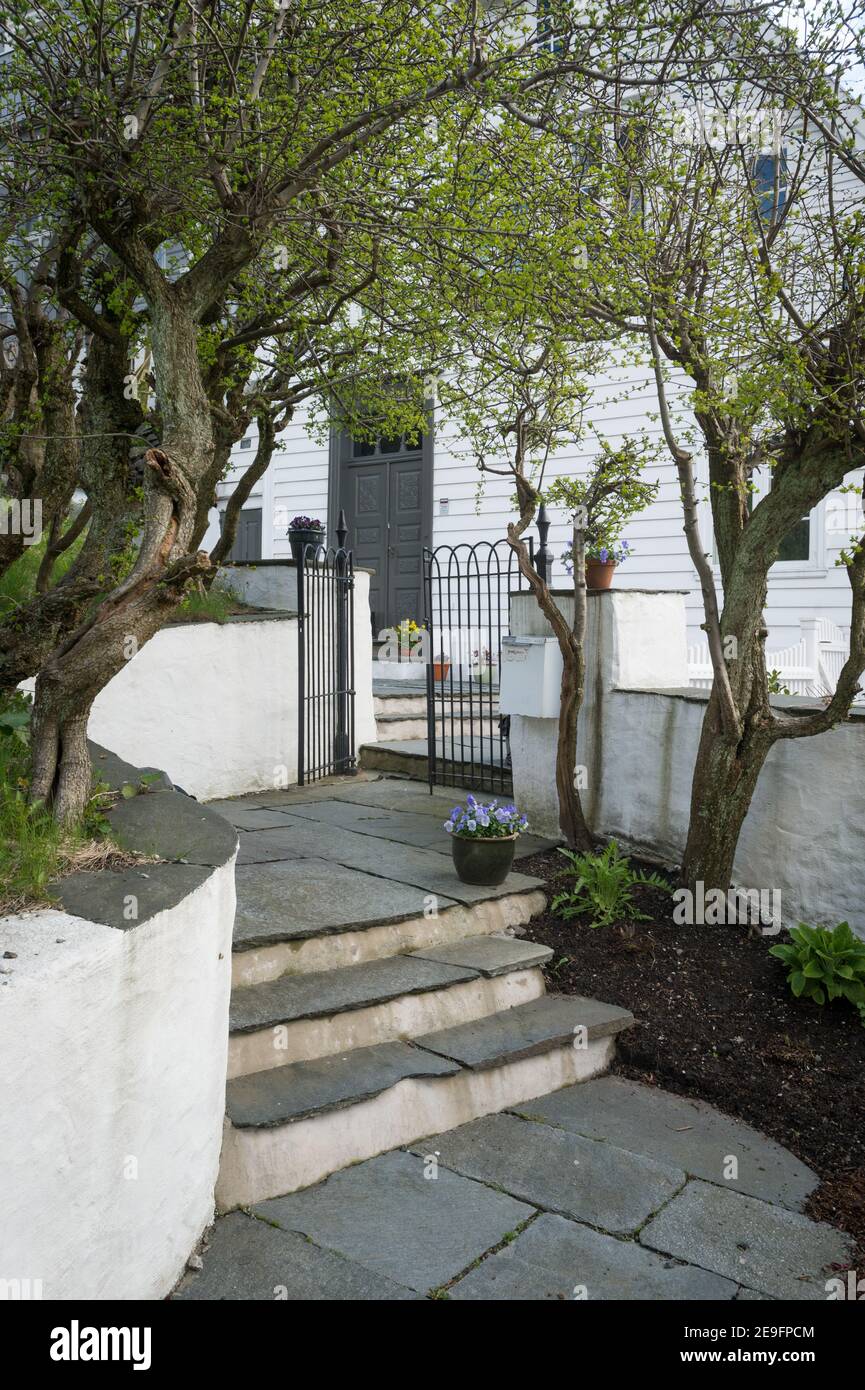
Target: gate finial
341, 530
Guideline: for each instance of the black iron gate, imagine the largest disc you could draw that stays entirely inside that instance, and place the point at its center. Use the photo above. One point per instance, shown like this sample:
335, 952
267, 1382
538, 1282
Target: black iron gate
325, 594
467, 610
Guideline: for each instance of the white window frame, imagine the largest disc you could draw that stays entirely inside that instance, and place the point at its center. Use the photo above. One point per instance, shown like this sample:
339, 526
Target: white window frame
812, 568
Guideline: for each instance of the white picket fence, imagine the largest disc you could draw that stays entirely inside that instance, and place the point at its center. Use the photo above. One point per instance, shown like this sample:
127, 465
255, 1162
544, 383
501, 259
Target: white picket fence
810, 667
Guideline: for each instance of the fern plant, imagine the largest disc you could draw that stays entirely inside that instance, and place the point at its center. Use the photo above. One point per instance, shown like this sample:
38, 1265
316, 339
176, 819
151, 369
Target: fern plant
604, 887
824, 963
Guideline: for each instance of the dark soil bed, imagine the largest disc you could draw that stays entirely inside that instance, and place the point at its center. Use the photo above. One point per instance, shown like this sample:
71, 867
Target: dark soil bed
716, 1020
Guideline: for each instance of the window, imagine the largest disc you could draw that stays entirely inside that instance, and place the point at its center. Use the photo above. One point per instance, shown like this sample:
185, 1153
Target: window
546, 37
799, 545
247, 540
246, 443
380, 448
766, 171
801, 552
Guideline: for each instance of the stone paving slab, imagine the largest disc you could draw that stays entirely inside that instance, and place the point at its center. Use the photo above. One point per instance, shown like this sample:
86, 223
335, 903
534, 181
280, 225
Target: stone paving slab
526, 1030
247, 1259
564, 1173
385, 1215
674, 1129
423, 868
401, 794
284, 1094
105, 896
320, 993
172, 826
764, 1247
408, 828
488, 955
274, 845
289, 900
423, 828
557, 1259
254, 817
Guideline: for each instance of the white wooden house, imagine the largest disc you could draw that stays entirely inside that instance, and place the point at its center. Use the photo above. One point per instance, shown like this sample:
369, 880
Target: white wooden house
398, 500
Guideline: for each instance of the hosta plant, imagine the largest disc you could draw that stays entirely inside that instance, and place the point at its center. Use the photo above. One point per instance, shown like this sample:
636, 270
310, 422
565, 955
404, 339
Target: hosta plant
604, 887
824, 964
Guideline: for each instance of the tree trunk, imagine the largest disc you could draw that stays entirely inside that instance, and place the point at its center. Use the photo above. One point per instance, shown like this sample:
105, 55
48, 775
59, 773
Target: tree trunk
572, 821
725, 776
70, 681
30, 634
137, 607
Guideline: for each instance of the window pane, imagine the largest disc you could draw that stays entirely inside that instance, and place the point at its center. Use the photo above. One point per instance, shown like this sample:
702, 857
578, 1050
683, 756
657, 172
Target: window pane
796, 545
764, 170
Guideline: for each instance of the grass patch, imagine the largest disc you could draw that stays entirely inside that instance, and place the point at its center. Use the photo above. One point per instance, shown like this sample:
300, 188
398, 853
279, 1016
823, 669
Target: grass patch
213, 605
18, 583
34, 849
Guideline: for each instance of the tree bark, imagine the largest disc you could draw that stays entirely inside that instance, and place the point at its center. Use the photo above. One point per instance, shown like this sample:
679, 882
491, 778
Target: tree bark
725, 777
137, 607
572, 821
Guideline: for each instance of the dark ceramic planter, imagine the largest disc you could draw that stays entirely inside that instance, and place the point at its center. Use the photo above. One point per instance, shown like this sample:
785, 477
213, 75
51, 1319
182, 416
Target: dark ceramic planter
599, 574
485, 862
299, 537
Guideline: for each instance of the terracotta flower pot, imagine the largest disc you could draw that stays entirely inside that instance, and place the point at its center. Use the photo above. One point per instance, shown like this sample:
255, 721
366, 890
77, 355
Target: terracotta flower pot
599, 573
441, 670
485, 862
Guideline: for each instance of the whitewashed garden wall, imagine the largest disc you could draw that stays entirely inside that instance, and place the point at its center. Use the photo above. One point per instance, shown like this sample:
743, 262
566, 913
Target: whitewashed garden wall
215, 704
639, 732
113, 1040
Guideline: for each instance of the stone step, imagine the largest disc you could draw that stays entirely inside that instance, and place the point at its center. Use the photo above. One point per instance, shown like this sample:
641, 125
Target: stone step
298, 951
317, 1014
409, 758
525, 1032
394, 705
291, 1126
391, 728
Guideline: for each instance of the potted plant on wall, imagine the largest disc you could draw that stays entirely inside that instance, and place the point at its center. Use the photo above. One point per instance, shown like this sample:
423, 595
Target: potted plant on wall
483, 840
303, 531
601, 560
441, 667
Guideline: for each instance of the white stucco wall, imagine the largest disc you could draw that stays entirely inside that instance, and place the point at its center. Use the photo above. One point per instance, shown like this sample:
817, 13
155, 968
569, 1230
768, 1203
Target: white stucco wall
113, 1047
802, 835
215, 705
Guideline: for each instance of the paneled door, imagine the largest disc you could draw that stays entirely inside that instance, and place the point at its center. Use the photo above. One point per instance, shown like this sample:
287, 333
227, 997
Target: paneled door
386, 491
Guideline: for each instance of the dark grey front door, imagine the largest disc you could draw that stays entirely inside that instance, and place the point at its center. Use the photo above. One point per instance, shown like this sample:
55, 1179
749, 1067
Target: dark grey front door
386, 491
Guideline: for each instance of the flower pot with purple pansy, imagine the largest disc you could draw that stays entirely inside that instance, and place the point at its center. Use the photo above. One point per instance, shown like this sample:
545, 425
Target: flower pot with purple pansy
483, 840
304, 531
601, 561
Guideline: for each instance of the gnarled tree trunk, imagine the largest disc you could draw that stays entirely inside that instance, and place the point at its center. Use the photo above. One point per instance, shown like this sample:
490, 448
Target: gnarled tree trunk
137, 607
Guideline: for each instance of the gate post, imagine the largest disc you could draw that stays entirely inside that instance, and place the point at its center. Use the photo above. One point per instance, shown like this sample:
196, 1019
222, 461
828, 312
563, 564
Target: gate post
344, 581
301, 668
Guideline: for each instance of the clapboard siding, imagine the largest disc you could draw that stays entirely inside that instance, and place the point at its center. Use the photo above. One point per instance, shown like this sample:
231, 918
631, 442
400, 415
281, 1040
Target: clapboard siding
622, 403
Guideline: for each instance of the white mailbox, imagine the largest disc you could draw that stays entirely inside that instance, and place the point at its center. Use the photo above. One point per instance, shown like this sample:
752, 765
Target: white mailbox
531, 677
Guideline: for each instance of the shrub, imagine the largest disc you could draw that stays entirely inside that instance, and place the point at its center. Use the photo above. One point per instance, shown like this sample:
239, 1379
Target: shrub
825, 964
604, 887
